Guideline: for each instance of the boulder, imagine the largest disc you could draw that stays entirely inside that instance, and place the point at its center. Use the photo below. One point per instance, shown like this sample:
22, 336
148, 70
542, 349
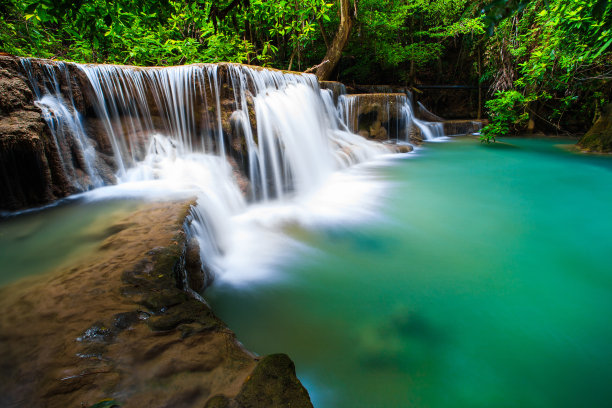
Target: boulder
599, 138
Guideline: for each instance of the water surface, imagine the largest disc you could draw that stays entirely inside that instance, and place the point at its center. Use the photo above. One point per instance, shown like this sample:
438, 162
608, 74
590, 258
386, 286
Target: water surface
39, 241
488, 284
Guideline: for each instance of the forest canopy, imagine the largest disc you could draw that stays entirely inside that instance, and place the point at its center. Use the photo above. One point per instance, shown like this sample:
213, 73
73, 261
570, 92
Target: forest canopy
547, 62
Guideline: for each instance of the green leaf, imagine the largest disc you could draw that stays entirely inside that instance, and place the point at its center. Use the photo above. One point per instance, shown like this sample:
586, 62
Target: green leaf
603, 48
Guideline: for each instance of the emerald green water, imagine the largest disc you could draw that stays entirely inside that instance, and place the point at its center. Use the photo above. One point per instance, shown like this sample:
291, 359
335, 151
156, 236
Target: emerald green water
39, 241
488, 285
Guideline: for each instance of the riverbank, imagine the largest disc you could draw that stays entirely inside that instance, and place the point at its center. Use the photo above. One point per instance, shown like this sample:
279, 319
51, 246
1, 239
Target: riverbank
485, 282
117, 325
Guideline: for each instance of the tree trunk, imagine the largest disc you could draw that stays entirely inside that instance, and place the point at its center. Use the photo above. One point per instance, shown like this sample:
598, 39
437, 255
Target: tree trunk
334, 51
479, 85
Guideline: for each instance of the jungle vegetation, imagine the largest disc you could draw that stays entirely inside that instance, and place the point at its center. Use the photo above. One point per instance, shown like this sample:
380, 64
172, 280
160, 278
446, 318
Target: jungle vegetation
544, 64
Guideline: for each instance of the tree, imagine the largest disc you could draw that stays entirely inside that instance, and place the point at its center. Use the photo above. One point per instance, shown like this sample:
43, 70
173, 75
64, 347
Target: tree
324, 70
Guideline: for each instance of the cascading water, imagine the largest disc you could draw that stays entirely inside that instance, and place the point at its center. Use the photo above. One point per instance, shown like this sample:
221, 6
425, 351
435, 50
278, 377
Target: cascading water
371, 113
431, 131
178, 129
228, 134
65, 124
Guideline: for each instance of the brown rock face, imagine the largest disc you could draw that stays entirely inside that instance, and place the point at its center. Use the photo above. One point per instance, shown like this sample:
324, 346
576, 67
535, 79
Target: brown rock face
378, 116
30, 168
463, 127
35, 167
599, 138
116, 325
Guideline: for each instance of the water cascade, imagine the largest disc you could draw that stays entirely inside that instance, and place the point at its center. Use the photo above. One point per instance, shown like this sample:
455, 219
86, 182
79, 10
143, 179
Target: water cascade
231, 135
76, 152
386, 116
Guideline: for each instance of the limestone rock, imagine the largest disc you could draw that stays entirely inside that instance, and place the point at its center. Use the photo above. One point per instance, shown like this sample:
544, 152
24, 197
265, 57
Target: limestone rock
599, 138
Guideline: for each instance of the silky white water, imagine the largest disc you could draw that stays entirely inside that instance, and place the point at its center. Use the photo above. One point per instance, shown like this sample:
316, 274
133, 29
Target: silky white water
396, 116
73, 147
260, 150
297, 163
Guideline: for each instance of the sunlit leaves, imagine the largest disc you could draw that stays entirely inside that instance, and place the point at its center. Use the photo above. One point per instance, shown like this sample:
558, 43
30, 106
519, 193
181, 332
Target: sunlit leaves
165, 32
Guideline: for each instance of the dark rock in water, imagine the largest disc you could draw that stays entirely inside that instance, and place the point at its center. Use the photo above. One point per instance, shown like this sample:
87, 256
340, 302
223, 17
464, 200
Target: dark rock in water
405, 148
380, 116
37, 168
30, 169
273, 384
599, 138
463, 127
196, 277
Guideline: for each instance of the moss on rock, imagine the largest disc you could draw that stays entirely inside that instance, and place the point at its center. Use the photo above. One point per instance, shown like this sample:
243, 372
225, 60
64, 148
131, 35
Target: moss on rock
599, 138
273, 384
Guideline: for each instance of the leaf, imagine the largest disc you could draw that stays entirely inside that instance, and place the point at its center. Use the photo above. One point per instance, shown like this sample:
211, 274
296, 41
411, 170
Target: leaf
603, 48
29, 16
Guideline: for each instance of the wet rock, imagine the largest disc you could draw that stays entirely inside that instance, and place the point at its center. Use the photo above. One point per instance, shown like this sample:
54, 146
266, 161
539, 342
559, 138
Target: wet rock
15, 93
30, 167
377, 131
337, 88
404, 148
124, 320
196, 277
462, 127
364, 133
143, 341
273, 384
98, 332
599, 138
189, 311
33, 162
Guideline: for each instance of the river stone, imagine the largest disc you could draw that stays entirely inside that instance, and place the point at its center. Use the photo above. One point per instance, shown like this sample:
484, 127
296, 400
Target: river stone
273, 384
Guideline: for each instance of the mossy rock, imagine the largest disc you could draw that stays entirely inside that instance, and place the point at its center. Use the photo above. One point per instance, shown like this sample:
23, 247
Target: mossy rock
599, 138
189, 311
273, 384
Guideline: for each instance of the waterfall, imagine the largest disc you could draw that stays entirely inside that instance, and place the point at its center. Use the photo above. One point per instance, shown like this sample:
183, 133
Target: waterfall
244, 141
431, 131
75, 151
258, 148
386, 116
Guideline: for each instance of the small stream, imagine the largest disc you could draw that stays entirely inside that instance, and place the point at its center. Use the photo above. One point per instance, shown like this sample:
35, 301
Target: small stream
485, 281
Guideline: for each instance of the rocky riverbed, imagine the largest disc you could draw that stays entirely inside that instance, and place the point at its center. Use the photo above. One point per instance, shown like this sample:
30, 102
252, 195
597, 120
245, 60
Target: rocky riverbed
118, 325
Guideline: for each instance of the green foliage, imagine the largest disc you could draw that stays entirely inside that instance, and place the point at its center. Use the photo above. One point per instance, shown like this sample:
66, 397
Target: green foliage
506, 111
407, 36
169, 32
558, 52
